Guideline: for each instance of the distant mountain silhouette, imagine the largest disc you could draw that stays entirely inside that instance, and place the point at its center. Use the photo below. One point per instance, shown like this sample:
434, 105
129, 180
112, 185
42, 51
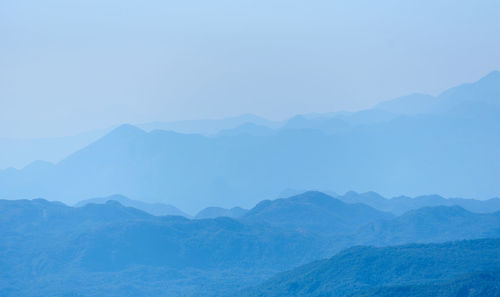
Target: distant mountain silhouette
362, 268
485, 92
402, 204
430, 224
215, 212
452, 152
18, 153
157, 209
211, 126
247, 128
413, 104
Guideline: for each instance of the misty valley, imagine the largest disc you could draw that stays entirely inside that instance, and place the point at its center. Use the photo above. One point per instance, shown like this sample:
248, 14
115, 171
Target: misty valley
249, 148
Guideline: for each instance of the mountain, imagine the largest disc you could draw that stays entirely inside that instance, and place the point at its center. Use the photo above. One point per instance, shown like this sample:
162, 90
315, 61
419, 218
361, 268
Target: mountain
402, 204
247, 128
215, 212
20, 152
41, 215
364, 268
390, 156
50, 249
484, 93
314, 212
156, 209
408, 105
478, 284
211, 126
430, 224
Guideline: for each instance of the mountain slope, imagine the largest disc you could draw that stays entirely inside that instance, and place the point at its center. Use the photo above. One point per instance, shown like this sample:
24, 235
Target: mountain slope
361, 268
430, 224
478, 284
314, 212
408, 105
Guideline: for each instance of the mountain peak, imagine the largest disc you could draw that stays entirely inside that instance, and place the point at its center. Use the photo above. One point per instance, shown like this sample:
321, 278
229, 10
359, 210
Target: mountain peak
127, 129
124, 132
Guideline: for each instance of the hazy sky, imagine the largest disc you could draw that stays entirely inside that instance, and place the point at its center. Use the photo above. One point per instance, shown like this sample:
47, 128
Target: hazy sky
69, 66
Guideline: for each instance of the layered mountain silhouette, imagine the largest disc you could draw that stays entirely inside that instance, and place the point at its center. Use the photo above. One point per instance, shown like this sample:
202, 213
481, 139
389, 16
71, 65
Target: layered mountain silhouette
157, 209
430, 224
314, 212
483, 93
451, 150
402, 204
18, 153
51, 249
215, 212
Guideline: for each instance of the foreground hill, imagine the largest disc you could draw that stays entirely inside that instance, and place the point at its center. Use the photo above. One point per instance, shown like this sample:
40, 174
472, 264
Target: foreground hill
363, 268
394, 155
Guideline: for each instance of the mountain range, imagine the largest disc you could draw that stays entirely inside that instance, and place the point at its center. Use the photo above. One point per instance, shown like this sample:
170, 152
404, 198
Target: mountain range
401, 204
451, 150
51, 249
156, 209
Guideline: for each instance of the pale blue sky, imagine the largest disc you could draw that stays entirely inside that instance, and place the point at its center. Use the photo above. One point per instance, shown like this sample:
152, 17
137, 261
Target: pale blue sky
72, 66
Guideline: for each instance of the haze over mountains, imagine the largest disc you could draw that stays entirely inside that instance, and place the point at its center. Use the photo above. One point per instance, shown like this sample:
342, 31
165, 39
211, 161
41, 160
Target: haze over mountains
249, 148
18, 153
377, 150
